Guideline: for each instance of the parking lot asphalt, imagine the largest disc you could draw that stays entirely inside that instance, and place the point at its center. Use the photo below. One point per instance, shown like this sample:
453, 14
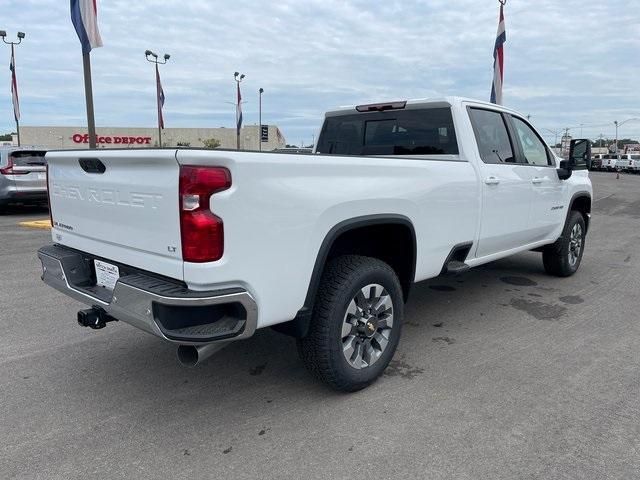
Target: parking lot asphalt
502, 373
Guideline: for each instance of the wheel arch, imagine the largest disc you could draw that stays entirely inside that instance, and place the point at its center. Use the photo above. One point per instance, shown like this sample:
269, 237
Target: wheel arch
331, 245
581, 202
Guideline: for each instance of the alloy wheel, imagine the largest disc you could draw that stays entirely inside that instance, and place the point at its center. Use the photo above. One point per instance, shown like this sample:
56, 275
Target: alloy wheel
367, 326
575, 244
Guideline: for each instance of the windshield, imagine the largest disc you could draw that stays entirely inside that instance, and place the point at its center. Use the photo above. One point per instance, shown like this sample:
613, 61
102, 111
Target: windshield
428, 131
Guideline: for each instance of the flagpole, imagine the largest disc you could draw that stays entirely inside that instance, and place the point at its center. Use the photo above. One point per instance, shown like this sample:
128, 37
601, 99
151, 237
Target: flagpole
14, 86
238, 78
158, 107
153, 58
88, 93
13, 57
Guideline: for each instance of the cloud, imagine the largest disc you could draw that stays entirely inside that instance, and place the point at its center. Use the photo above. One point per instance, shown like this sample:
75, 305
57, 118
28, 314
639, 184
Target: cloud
566, 63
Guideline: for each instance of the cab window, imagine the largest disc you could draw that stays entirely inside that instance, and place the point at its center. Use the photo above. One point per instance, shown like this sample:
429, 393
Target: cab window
424, 131
492, 137
533, 148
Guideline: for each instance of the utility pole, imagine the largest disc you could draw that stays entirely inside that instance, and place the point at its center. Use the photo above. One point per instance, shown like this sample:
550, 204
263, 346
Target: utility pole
159, 91
14, 82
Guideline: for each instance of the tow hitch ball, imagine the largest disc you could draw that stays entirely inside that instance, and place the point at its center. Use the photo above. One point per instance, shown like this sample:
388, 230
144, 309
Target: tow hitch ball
94, 317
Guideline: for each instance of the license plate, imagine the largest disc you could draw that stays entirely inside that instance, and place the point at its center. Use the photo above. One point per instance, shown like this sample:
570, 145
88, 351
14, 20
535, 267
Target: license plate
106, 274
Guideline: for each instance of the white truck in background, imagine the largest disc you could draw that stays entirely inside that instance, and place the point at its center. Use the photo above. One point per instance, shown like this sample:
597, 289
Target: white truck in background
203, 247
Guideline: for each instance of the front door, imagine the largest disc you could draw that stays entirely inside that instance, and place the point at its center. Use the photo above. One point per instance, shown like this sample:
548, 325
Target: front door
547, 208
506, 185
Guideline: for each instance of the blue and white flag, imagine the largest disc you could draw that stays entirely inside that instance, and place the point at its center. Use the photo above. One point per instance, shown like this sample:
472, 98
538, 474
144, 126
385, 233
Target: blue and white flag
239, 112
160, 93
498, 60
84, 15
14, 86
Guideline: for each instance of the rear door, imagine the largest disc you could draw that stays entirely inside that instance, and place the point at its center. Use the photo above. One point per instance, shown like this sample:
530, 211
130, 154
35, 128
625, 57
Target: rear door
506, 188
120, 205
547, 207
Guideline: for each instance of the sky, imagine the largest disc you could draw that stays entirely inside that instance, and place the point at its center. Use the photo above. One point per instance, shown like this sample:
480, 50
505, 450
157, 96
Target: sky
567, 62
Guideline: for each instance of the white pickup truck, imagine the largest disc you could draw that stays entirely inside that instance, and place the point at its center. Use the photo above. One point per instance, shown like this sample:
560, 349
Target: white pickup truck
203, 247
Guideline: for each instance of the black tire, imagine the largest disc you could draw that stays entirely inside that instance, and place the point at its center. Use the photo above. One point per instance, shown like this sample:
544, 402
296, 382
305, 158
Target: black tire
556, 258
322, 349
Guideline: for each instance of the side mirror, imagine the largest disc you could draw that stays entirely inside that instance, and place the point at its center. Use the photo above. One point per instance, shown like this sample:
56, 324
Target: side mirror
564, 172
579, 158
580, 154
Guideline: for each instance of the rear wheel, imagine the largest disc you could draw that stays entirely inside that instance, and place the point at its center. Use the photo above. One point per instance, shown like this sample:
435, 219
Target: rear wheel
356, 323
563, 258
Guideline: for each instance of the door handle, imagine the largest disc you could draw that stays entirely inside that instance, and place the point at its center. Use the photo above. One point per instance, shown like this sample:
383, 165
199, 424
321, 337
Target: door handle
492, 180
536, 180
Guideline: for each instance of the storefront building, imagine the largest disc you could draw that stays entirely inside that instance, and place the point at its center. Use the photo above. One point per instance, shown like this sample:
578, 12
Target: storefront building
54, 138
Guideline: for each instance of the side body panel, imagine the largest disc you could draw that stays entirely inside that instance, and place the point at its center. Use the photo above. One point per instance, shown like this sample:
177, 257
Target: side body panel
281, 207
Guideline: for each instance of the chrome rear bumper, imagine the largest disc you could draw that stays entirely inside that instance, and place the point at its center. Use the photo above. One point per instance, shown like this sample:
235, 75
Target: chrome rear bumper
156, 305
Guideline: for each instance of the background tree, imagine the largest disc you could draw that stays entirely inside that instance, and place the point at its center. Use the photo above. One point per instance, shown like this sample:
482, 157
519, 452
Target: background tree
211, 143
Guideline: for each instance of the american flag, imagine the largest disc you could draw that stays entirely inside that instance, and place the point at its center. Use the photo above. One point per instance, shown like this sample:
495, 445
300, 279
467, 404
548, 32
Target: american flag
160, 93
239, 111
14, 86
498, 60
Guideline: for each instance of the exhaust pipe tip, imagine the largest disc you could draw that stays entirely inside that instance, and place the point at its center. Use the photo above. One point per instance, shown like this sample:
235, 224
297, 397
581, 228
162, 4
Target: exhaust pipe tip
191, 355
188, 355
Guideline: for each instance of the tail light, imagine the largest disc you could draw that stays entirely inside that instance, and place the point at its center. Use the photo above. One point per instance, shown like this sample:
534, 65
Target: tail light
202, 232
8, 170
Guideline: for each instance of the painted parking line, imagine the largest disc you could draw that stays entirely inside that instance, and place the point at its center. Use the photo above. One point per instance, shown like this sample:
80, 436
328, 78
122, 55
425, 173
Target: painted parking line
44, 224
603, 198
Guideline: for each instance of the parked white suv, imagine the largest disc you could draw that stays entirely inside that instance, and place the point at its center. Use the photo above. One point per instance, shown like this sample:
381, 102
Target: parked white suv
23, 177
203, 247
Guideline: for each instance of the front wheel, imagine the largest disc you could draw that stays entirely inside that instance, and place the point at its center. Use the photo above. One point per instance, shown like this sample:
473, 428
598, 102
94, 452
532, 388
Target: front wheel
563, 258
356, 323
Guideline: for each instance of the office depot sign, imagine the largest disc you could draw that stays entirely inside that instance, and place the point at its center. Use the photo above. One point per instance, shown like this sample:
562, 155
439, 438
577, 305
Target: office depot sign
84, 138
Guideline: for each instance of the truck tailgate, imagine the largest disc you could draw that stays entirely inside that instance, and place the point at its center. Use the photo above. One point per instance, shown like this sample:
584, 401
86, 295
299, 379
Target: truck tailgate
120, 205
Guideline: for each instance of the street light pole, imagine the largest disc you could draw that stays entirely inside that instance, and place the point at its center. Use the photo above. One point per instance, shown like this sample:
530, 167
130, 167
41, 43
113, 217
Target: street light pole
260, 92
14, 87
159, 93
238, 77
619, 124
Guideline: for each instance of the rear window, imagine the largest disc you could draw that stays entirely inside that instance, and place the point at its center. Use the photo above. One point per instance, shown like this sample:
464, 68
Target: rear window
427, 131
28, 159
